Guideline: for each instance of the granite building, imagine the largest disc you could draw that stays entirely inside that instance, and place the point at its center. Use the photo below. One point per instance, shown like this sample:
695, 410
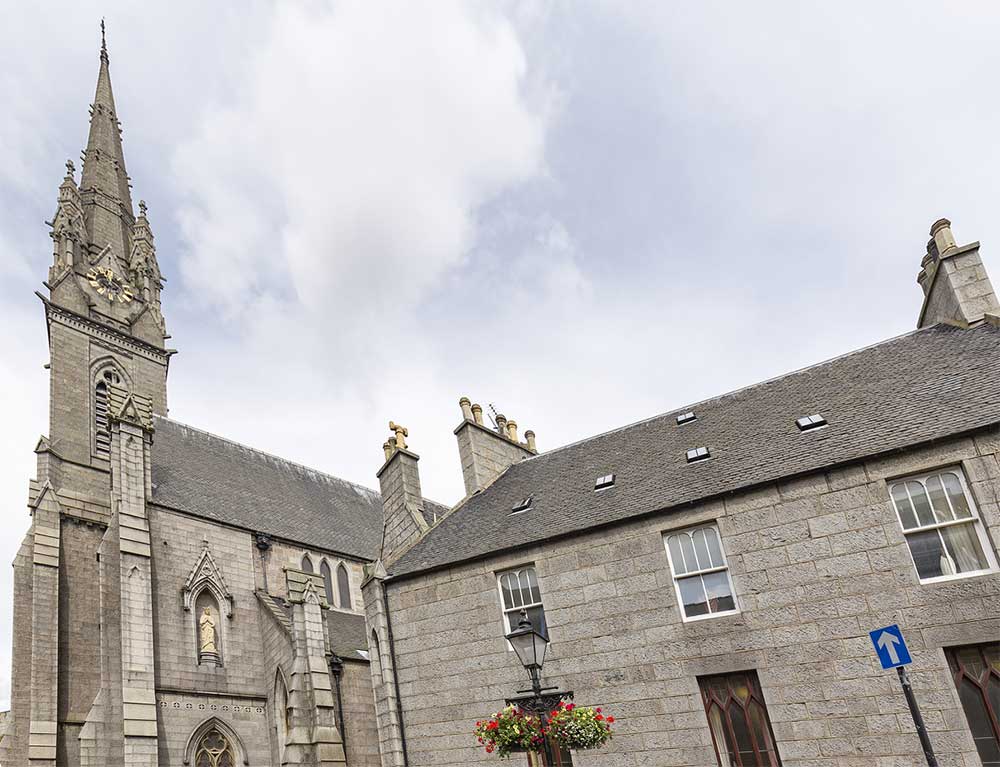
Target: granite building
710, 575
179, 599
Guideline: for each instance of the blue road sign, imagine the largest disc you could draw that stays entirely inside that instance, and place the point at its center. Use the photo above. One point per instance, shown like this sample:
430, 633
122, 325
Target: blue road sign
890, 647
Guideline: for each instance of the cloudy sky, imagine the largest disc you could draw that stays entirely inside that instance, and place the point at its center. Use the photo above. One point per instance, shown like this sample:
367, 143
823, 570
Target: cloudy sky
583, 213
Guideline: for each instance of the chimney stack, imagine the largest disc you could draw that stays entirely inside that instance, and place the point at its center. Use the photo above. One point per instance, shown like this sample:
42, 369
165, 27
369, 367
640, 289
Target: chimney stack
957, 290
486, 453
402, 499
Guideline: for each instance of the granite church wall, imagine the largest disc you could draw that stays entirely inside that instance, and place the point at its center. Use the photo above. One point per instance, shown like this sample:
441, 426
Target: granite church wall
816, 562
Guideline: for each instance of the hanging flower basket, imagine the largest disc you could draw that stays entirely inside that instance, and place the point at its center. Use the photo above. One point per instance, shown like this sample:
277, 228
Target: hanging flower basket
512, 730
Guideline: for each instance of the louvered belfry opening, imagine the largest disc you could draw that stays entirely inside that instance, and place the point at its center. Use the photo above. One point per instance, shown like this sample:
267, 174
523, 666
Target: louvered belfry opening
103, 432
102, 426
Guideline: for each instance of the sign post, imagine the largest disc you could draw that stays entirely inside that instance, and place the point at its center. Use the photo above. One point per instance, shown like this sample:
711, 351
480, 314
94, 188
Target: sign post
892, 653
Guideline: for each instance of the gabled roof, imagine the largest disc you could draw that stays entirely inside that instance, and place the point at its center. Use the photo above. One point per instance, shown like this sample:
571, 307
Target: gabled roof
211, 477
923, 386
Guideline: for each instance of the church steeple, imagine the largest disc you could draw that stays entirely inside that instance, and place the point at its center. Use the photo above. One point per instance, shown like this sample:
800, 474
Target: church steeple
104, 186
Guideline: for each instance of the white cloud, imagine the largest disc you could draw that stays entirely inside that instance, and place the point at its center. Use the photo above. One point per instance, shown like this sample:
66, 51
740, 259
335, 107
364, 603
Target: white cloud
348, 168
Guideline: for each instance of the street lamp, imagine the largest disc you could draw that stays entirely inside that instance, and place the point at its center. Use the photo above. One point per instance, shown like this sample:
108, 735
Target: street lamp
530, 646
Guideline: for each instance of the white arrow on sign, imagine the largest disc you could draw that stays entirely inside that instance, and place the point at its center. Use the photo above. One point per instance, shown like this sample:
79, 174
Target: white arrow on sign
888, 643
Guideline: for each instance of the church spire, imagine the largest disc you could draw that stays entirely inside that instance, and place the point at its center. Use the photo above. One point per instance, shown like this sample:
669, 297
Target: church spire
104, 185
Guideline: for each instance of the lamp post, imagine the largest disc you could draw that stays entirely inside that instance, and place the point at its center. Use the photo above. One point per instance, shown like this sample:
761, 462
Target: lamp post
530, 647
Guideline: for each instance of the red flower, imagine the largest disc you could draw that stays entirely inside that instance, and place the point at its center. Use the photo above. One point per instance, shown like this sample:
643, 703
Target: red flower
611, 719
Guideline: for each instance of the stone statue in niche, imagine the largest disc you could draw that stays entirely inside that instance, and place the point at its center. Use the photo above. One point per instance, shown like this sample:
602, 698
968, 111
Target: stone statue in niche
208, 639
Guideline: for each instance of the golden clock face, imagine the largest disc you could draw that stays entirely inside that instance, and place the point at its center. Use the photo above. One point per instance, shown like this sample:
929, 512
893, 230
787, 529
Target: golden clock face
109, 284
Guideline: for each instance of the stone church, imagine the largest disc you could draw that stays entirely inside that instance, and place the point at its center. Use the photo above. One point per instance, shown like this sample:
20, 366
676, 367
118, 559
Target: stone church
709, 575
179, 599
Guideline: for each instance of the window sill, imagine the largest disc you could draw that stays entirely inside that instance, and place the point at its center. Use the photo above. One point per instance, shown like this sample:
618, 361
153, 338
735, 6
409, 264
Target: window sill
957, 577
697, 618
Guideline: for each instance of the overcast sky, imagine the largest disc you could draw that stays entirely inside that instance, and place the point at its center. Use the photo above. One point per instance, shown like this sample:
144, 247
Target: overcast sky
583, 213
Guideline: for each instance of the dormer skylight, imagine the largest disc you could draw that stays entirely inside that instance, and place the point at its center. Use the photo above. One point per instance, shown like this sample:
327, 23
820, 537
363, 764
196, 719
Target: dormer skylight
698, 454
522, 506
603, 483
810, 422
687, 417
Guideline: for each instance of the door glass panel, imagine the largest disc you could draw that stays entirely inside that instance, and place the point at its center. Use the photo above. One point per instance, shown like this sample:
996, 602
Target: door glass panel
741, 730
720, 734
979, 723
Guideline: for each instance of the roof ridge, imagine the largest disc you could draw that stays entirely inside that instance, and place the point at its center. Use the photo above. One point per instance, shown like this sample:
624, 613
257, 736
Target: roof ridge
733, 392
266, 454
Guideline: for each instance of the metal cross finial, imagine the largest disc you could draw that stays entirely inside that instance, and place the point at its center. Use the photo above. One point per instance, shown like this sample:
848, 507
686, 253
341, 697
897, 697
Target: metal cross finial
70, 168
142, 207
104, 42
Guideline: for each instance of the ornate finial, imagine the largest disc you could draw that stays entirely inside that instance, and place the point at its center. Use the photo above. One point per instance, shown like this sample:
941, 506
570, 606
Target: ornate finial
400, 432
104, 42
70, 169
142, 207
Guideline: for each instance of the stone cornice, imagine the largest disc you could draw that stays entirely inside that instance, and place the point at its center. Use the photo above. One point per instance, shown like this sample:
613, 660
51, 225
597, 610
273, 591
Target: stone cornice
54, 312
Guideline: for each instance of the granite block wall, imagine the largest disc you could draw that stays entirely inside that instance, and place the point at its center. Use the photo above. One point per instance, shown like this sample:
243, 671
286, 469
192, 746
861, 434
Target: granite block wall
816, 562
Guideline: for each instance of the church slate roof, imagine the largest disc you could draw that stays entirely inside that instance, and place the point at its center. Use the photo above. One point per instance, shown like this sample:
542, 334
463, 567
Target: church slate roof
214, 478
347, 634
919, 387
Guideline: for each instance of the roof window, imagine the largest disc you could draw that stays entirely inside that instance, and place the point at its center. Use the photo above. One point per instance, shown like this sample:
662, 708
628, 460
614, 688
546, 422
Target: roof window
522, 506
687, 417
603, 483
810, 422
698, 454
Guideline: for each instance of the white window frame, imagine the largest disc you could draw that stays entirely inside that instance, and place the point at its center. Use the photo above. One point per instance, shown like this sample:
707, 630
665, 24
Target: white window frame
517, 610
696, 573
975, 520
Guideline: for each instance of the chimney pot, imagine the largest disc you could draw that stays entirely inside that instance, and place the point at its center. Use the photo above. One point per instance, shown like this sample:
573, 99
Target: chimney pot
529, 435
477, 414
388, 449
501, 420
466, 406
943, 238
512, 430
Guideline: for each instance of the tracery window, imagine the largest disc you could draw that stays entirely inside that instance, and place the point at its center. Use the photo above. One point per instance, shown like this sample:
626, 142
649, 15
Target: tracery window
519, 591
324, 569
343, 587
976, 670
701, 574
738, 719
942, 527
214, 750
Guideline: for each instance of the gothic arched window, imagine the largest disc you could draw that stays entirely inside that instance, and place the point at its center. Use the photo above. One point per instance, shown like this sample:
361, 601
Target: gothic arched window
375, 657
344, 587
307, 563
102, 425
324, 570
282, 711
214, 750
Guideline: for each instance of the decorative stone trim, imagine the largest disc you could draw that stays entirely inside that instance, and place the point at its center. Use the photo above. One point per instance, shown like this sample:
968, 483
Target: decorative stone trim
207, 575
